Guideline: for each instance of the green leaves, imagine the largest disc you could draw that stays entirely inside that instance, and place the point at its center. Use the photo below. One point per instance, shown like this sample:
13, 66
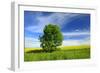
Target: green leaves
51, 38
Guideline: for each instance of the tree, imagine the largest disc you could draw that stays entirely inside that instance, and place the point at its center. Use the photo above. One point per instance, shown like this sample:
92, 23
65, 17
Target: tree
51, 38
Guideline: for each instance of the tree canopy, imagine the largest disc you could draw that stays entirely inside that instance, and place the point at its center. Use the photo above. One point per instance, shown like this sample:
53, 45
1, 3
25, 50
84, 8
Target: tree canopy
51, 38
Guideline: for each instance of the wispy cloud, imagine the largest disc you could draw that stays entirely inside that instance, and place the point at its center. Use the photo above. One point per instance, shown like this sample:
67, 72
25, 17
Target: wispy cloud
76, 33
54, 18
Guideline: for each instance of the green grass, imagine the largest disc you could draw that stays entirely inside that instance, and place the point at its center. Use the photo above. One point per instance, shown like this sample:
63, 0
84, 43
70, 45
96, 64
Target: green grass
67, 52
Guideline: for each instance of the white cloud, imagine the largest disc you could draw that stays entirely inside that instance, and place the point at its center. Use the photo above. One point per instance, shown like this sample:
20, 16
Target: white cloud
75, 42
85, 41
70, 42
31, 42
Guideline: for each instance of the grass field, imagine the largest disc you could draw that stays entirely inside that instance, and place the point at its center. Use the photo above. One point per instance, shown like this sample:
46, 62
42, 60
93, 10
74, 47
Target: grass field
66, 52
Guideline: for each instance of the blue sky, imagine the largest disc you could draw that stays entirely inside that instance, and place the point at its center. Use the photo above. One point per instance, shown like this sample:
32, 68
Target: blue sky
75, 27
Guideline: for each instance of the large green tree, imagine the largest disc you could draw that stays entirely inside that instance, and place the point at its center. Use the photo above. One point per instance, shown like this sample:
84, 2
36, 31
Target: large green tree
51, 38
